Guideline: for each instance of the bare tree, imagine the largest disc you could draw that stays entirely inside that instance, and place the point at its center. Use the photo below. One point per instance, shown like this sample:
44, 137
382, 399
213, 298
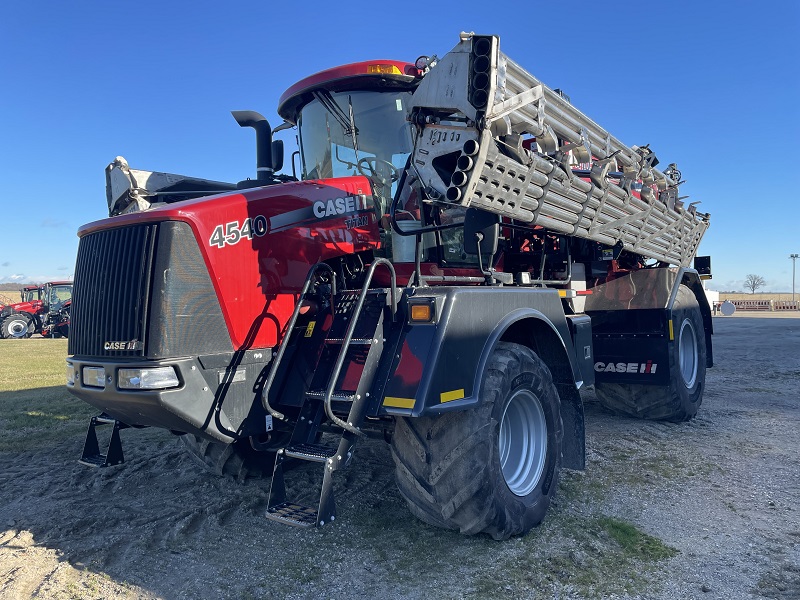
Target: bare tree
753, 282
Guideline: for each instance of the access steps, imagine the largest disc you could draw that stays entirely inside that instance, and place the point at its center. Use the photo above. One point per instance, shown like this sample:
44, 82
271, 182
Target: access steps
339, 395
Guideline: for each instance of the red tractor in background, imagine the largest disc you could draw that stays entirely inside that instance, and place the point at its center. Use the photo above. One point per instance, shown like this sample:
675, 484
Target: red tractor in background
43, 309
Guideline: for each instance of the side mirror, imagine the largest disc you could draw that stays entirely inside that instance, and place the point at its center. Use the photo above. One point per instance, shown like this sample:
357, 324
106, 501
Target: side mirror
277, 155
479, 224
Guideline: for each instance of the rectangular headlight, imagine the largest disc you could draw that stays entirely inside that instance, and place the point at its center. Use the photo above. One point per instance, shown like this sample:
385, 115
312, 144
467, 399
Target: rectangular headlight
70, 373
94, 376
157, 378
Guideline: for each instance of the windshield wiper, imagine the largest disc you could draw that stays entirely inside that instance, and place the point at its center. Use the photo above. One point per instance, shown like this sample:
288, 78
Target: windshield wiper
346, 121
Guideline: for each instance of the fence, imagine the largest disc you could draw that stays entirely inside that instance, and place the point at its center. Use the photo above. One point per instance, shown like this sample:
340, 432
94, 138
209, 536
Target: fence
765, 305
785, 305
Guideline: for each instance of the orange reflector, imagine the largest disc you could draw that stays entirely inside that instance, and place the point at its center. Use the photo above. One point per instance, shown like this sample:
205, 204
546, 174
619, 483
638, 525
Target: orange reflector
383, 70
421, 313
573, 293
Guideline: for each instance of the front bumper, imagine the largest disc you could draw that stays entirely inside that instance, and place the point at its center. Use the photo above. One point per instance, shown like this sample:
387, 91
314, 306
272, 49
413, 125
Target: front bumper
193, 406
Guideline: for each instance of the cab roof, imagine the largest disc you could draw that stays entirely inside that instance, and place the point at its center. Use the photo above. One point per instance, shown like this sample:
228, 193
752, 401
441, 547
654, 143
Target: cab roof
367, 75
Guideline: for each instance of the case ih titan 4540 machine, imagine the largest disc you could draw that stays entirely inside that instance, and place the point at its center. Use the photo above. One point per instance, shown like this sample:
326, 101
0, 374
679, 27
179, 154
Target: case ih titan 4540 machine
463, 252
42, 309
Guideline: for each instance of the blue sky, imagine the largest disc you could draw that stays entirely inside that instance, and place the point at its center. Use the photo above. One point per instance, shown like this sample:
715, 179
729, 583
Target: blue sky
711, 85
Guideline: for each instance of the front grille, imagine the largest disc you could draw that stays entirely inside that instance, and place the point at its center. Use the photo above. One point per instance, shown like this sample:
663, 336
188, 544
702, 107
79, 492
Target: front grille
111, 290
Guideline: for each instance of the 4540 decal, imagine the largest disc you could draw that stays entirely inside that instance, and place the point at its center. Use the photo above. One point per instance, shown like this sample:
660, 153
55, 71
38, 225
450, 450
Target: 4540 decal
232, 233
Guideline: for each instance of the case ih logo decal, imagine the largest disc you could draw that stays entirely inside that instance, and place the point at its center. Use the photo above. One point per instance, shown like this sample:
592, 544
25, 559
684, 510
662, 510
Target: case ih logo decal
340, 206
647, 368
230, 234
132, 345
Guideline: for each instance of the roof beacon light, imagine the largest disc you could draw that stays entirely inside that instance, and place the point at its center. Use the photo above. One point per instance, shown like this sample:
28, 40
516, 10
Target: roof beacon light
378, 69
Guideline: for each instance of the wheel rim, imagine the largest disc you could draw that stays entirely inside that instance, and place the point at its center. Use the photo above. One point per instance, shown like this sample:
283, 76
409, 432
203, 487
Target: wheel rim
687, 353
523, 442
18, 329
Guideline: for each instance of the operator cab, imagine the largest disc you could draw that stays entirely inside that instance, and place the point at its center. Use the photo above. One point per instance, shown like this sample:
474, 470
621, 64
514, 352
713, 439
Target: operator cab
31, 293
354, 120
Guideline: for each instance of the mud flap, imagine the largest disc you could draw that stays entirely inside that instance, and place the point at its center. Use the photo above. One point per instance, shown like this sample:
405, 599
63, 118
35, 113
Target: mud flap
573, 447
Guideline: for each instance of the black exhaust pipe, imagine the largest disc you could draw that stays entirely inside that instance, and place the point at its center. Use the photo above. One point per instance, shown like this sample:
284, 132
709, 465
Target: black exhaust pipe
264, 164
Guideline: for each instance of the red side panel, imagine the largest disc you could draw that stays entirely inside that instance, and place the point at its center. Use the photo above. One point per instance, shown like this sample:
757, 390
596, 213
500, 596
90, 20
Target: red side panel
260, 244
34, 307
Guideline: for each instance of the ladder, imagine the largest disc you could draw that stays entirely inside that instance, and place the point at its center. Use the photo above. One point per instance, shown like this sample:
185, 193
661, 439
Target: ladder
476, 107
343, 384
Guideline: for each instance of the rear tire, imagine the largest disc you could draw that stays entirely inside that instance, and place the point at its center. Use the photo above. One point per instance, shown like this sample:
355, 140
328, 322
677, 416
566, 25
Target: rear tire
17, 326
492, 469
680, 400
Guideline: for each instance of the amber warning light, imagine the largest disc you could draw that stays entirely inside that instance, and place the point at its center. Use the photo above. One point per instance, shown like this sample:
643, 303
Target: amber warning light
383, 70
422, 310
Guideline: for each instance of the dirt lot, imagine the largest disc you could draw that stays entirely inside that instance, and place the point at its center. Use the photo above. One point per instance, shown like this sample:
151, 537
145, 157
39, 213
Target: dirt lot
707, 509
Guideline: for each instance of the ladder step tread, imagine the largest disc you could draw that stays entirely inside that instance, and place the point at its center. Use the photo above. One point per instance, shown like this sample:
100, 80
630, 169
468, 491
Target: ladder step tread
292, 514
320, 394
360, 341
312, 452
98, 460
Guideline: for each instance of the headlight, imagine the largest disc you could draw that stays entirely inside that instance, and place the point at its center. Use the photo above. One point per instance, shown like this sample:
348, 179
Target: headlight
70, 373
157, 378
94, 377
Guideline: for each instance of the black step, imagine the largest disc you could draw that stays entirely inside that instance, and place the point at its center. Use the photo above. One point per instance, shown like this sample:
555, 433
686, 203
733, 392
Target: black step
336, 396
97, 460
310, 452
91, 456
292, 514
353, 342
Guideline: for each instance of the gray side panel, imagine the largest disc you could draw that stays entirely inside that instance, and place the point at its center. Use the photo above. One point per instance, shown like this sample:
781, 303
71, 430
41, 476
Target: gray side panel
471, 321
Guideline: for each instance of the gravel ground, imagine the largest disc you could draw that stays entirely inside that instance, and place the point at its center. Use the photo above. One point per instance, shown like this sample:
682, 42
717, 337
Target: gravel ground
705, 509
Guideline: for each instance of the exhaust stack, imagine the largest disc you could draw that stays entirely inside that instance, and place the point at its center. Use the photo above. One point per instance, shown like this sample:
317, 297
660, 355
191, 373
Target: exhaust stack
265, 161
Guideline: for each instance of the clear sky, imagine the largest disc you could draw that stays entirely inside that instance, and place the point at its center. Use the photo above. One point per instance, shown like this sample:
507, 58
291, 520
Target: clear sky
711, 85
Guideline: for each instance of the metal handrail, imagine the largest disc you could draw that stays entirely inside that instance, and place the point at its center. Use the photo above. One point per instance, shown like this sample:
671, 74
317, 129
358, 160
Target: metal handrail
337, 369
285, 341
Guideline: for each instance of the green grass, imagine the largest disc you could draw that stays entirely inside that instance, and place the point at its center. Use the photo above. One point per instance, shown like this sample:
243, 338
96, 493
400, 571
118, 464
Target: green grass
32, 363
591, 556
35, 408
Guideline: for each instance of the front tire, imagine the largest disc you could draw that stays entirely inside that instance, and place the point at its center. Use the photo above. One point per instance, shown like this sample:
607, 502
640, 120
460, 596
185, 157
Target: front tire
17, 326
492, 469
238, 460
680, 400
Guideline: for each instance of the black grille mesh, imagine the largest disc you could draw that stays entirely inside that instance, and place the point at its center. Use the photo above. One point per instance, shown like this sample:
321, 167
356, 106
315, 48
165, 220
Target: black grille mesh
109, 301
185, 316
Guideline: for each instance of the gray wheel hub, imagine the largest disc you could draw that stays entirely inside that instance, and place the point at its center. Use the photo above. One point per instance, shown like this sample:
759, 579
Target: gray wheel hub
18, 328
687, 353
523, 442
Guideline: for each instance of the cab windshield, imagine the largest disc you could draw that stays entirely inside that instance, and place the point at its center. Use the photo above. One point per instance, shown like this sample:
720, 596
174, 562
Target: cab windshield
356, 133
31, 294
